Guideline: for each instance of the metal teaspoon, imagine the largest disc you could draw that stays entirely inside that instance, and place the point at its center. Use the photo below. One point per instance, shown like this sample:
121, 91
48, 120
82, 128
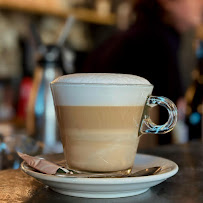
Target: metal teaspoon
144, 172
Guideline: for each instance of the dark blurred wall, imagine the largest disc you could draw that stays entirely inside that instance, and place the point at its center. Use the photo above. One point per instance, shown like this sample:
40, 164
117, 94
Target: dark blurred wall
187, 58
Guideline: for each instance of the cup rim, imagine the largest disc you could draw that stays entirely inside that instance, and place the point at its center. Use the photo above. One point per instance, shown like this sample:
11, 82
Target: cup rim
53, 83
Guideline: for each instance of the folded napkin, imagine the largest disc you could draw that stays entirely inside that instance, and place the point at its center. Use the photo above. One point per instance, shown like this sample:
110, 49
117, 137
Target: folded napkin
42, 165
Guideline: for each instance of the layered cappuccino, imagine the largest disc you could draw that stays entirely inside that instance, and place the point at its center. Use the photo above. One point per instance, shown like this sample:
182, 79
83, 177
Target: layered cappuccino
99, 117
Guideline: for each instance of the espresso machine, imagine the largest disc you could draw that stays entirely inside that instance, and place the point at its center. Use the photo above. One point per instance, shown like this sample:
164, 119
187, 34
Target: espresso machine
41, 121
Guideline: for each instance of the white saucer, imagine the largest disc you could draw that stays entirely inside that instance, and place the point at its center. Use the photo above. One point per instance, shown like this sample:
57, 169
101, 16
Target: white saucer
106, 187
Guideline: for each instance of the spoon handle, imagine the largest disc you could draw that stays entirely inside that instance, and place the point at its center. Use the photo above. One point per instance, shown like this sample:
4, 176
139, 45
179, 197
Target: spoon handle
146, 172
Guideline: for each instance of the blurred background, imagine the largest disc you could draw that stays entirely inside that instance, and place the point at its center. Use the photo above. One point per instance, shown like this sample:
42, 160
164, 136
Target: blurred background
43, 39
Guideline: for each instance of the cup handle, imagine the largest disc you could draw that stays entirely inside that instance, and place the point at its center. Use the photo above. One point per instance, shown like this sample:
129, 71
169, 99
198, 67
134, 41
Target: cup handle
147, 126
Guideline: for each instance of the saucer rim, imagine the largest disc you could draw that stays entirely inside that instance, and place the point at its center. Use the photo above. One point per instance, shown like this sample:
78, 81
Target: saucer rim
163, 176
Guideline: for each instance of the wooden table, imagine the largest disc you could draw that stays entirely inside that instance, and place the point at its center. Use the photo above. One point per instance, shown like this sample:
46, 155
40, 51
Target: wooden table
186, 186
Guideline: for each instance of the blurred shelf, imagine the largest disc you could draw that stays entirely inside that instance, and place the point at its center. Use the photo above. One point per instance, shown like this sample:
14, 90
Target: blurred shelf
56, 8
199, 32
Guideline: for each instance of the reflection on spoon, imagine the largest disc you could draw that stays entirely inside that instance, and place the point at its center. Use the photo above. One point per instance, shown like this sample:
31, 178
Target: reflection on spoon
144, 172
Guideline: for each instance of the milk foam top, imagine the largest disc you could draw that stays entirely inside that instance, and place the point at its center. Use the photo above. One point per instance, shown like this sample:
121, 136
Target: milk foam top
100, 89
101, 78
